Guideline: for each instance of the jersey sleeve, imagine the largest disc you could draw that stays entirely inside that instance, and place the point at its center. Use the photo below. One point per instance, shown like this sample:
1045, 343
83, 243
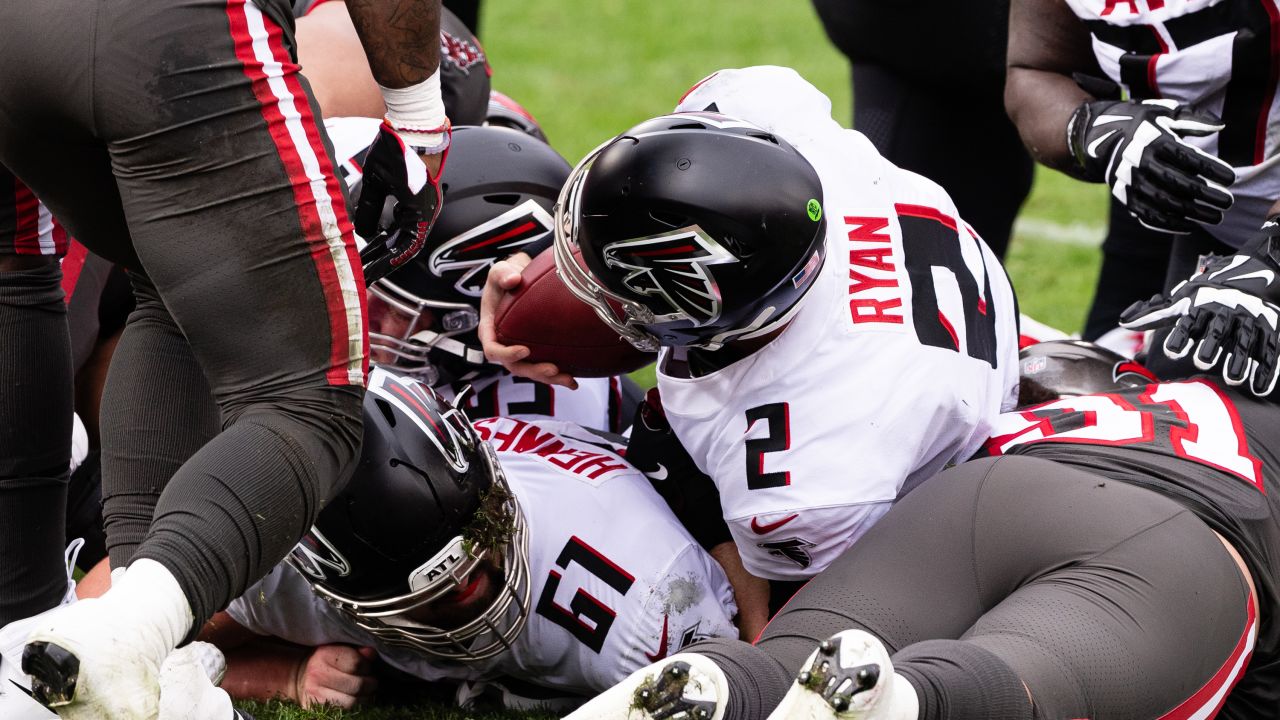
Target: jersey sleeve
690, 600
282, 605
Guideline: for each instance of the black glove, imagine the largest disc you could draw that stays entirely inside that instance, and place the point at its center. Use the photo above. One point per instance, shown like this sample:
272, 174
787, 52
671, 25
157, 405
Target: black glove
1231, 306
1137, 149
691, 494
393, 172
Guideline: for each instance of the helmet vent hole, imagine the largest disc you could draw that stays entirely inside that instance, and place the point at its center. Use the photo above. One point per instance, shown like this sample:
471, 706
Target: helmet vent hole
670, 219
689, 126
502, 199
385, 408
763, 136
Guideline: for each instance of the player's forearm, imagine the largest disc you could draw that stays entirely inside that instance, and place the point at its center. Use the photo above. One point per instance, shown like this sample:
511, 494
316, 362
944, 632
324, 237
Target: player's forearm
1047, 43
750, 592
401, 38
264, 669
1040, 103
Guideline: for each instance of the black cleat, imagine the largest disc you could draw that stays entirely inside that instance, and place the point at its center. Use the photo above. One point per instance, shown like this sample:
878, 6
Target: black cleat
54, 672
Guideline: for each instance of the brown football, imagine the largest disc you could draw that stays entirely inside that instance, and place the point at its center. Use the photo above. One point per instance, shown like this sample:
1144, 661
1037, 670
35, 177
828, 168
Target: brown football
544, 316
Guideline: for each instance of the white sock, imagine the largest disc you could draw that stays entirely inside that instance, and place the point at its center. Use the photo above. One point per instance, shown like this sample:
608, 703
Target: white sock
148, 590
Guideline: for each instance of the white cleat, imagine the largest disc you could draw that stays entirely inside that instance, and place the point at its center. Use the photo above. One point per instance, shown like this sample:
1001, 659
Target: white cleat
16, 702
99, 659
685, 686
849, 677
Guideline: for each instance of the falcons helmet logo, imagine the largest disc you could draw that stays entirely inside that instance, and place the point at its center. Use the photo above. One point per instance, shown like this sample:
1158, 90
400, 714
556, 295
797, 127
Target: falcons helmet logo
413, 398
471, 253
675, 267
316, 557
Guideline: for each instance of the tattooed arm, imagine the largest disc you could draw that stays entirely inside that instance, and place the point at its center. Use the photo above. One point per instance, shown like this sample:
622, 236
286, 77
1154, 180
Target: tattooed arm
400, 37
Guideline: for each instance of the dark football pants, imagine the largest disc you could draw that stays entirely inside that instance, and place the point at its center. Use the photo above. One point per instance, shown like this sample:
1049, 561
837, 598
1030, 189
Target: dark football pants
974, 153
179, 140
1105, 599
35, 404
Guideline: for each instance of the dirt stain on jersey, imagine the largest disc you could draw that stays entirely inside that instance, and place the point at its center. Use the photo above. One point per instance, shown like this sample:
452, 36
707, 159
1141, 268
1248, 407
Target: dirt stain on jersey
682, 594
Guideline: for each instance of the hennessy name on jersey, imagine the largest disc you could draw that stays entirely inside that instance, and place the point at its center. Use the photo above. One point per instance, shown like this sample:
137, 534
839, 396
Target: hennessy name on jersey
576, 456
874, 293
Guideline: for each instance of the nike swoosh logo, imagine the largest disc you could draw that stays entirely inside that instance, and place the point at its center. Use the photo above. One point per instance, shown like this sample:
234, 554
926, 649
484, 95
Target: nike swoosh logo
759, 529
1092, 150
660, 474
1236, 262
662, 644
1265, 275
1108, 119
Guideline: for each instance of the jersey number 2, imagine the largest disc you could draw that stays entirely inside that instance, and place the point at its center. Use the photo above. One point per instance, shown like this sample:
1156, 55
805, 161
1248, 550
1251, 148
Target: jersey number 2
778, 417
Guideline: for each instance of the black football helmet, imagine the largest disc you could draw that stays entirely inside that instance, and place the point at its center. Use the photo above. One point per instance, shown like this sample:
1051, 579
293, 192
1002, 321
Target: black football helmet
426, 509
506, 112
498, 197
464, 73
691, 229
1067, 368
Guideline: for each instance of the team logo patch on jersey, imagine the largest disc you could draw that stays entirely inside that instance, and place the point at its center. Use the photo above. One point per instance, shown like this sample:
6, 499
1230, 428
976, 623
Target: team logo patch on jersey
471, 253
793, 549
675, 268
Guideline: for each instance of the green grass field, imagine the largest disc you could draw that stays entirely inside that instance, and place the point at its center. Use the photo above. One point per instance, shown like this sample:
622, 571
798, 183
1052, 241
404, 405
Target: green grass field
588, 70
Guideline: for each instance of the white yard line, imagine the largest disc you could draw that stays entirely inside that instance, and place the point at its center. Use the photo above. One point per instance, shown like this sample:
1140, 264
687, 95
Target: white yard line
1076, 233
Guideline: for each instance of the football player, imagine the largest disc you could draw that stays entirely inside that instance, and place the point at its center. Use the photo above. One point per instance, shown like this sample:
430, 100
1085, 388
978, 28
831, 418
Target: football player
518, 549
329, 48
423, 319
1115, 558
1181, 125
802, 289
186, 146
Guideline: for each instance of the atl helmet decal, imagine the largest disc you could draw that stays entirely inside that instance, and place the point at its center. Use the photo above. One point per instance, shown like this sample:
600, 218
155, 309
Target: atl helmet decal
460, 51
674, 267
412, 399
314, 553
793, 549
475, 250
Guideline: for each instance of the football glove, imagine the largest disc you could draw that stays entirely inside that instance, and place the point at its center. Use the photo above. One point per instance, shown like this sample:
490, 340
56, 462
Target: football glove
398, 204
1232, 307
1138, 149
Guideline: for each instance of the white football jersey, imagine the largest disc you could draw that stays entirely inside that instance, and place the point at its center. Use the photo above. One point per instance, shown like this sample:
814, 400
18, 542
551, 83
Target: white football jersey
597, 403
1213, 55
616, 582
900, 357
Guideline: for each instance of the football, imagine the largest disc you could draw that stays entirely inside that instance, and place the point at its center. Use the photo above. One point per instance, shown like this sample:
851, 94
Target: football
544, 316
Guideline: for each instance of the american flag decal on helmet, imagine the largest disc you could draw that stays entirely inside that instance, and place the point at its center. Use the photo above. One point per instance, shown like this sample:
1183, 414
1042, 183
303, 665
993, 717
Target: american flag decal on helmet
674, 267
471, 253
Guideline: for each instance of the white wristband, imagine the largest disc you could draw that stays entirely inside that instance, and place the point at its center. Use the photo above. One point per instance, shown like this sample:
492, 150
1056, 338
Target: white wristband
417, 114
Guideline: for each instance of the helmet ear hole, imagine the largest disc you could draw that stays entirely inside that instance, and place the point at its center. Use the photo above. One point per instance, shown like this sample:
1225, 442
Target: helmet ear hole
385, 408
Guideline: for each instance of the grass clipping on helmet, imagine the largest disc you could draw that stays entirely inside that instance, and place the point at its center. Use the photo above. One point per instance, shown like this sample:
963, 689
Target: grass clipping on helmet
494, 522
